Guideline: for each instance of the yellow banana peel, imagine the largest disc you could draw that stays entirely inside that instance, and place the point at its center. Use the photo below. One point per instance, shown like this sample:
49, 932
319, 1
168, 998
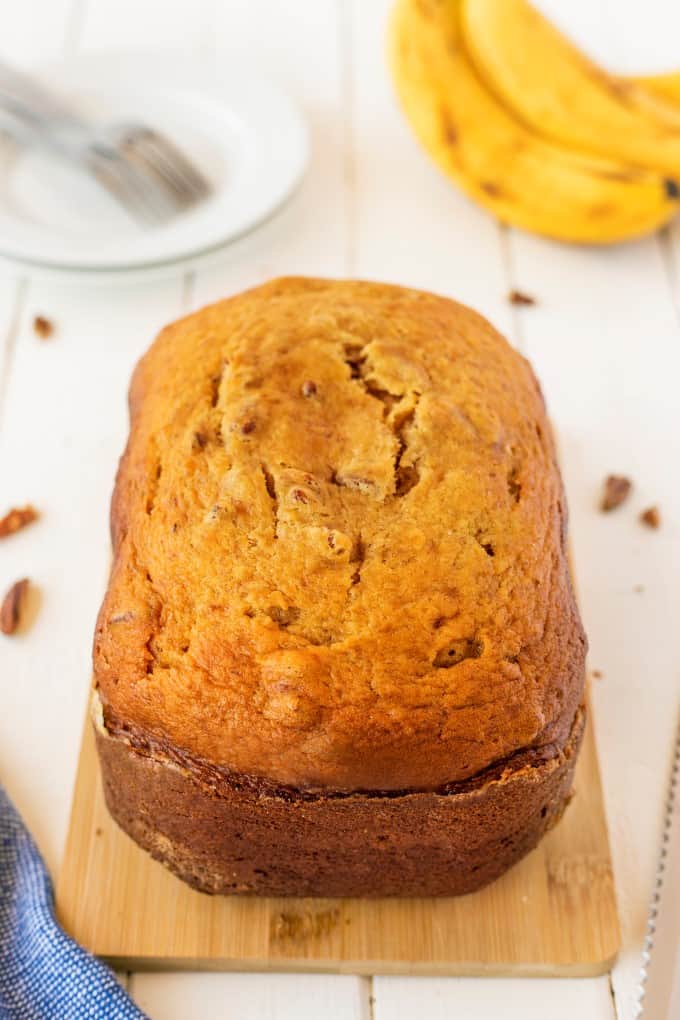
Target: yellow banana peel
522, 178
556, 91
665, 87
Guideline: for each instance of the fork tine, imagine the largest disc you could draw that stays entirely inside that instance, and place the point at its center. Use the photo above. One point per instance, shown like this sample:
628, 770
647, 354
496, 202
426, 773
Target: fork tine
148, 162
178, 162
139, 195
146, 185
165, 160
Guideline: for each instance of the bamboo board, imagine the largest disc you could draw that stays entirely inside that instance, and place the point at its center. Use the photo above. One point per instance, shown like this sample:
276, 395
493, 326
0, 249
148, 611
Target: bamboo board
553, 914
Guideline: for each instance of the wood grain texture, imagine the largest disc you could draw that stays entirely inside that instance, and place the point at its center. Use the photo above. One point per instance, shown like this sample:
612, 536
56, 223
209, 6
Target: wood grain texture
553, 914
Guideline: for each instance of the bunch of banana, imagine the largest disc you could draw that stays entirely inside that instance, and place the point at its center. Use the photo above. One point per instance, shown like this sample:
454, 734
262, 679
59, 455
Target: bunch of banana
531, 130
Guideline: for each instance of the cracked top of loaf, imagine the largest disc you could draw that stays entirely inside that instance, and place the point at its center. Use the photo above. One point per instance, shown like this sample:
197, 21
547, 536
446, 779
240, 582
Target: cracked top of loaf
339, 544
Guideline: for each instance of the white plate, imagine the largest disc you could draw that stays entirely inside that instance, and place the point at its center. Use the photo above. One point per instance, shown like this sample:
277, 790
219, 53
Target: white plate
247, 138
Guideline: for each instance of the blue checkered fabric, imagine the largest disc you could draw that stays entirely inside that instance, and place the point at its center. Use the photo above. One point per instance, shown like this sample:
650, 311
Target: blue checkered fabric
44, 974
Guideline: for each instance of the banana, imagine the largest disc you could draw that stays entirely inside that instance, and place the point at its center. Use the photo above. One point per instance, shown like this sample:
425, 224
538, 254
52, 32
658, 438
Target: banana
519, 177
665, 87
551, 86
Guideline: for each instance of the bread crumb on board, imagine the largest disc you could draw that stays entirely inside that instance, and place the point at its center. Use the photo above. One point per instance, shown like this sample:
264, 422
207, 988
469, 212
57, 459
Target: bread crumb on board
596, 674
616, 491
16, 519
651, 517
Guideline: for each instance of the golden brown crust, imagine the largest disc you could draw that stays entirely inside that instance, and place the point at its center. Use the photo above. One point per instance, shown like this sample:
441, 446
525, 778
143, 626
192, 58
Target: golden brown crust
227, 834
339, 544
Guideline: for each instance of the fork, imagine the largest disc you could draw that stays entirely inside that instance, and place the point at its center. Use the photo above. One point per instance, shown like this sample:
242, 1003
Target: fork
143, 170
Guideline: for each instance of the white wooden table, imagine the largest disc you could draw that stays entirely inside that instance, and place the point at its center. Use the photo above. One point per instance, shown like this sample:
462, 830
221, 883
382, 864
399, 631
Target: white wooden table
604, 338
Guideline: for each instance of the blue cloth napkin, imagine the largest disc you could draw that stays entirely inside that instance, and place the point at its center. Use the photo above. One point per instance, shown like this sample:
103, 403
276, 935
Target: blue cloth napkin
44, 974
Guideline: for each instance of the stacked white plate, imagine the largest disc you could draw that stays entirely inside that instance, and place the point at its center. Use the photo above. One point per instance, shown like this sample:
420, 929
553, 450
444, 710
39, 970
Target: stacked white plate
246, 137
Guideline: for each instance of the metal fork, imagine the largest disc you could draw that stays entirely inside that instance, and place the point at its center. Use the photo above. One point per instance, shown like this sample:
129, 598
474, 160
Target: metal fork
138, 165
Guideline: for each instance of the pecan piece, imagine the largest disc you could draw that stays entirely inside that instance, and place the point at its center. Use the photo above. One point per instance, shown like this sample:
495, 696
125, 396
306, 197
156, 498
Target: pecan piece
43, 327
16, 519
518, 297
651, 517
616, 491
12, 605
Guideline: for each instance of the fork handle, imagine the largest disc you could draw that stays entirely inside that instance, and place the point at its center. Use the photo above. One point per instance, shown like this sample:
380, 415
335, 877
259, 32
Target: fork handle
29, 110
27, 97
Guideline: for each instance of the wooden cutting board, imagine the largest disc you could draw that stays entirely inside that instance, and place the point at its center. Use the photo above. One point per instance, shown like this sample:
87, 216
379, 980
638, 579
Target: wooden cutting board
553, 914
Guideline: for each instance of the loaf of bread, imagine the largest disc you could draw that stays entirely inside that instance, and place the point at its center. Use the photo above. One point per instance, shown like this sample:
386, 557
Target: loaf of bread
339, 654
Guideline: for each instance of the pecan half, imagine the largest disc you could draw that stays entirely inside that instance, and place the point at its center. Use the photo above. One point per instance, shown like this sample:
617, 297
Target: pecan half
12, 605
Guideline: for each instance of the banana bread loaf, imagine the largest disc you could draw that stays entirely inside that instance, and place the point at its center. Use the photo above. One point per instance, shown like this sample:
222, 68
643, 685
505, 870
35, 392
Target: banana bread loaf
339, 653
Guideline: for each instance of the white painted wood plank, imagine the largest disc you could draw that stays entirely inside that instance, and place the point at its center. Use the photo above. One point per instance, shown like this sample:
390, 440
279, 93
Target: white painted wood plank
398, 998
625, 36
297, 46
64, 428
251, 996
670, 249
604, 340
9, 295
413, 226
36, 30
149, 25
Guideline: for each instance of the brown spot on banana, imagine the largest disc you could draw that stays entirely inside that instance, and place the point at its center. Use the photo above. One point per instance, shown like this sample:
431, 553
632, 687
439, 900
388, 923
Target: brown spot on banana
449, 129
601, 209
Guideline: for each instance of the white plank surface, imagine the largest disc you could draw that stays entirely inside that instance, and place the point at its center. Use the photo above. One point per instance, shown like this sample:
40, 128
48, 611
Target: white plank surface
605, 342
11, 296
37, 31
298, 46
471, 999
251, 996
64, 424
411, 226
604, 338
